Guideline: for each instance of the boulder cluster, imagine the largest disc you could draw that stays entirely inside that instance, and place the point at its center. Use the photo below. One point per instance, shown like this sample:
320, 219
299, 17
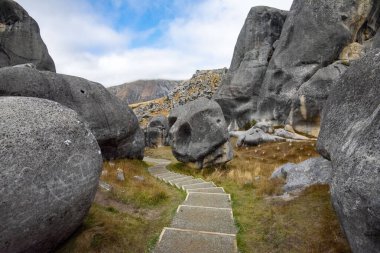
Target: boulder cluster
55, 131
285, 63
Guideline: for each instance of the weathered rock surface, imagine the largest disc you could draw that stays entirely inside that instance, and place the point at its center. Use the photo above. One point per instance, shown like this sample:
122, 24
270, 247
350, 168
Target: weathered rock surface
305, 174
239, 91
157, 132
254, 137
308, 103
349, 137
198, 133
50, 167
314, 35
317, 39
114, 125
20, 39
143, 90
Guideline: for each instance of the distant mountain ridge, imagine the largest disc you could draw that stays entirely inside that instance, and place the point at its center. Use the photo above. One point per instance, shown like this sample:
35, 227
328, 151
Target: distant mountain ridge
143, 90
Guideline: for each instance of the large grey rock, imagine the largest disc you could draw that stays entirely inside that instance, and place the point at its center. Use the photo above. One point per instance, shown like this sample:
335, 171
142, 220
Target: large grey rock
302, 175
254, 137
239, 91
112, 122
157, 132
198, 133
309, 100
349, 137
50, 167
313, 37
20, 39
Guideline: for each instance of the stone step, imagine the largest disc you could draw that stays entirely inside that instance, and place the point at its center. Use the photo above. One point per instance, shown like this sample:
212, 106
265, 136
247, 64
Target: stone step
177, 180
203, 199
176, 176
187, 241
204, 219
189, 182
209, 190
200, 185
163, 175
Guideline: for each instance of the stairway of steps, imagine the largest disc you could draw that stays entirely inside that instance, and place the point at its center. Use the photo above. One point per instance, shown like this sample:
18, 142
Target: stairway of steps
203, 223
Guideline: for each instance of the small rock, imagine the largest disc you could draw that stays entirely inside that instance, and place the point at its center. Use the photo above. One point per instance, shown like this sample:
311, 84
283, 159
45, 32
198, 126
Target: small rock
139, 178
120, 175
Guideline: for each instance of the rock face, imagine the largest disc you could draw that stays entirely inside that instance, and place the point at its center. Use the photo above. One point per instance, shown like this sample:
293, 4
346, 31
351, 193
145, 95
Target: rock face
198, 133
114, 125
240, 89
50, 167
143, 90
349, 137
305, 174
157, 132
317, 39
20, 39
314, 35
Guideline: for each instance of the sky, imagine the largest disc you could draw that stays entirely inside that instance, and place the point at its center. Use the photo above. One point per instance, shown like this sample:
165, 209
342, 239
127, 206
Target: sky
118, 41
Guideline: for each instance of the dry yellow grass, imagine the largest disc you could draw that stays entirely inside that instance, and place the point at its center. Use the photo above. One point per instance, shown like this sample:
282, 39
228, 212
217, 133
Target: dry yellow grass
306, 224
130, 217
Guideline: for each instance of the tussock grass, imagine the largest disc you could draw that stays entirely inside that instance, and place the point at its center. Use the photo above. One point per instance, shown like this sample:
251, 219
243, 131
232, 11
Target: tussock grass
307, 223
131, 217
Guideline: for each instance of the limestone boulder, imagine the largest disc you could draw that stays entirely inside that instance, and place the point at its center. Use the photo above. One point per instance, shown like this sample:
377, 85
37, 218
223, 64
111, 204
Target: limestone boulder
239, 91
198, 133
300, 176
113, 123
20, 39
254, 137
157, 132
349, 137
313, 37
49, 172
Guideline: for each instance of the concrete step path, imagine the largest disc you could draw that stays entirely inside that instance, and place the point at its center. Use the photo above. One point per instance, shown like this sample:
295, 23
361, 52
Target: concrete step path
204, 223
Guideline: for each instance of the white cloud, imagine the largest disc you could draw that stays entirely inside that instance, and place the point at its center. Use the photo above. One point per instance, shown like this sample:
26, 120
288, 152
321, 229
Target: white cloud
83, 43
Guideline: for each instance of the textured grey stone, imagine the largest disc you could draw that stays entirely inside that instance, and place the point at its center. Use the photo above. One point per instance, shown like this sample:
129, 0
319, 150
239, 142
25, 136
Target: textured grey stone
157, 132
240, 88
112, 122
20, 39
288, 135
50, 167
310, 98
198, 133
349, 137
302, 175
255, 136
314, 35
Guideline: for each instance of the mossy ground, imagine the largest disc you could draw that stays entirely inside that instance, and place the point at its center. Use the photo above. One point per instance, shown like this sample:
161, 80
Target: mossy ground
129, 218
307, 223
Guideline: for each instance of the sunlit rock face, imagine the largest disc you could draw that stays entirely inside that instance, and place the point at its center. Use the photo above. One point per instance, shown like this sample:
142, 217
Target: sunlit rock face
198, 133
20, 39
349, 137
49, 172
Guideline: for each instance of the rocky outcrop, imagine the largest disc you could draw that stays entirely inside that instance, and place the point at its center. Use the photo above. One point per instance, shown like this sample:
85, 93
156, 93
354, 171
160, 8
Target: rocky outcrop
198, 133
157, 132
317, 40
143, 90
313, 37
203, 83
114, 125
50, 167
349, 137
254, 137
300, 176
240, 88
20, 39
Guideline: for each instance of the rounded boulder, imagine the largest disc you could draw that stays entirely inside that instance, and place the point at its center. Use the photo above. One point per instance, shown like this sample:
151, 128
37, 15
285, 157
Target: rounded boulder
50, 167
